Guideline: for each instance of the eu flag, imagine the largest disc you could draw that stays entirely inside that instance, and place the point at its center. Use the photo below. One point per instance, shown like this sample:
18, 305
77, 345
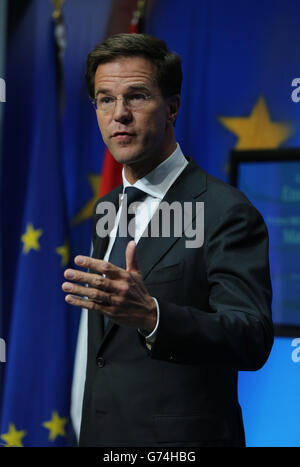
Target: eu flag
38, 371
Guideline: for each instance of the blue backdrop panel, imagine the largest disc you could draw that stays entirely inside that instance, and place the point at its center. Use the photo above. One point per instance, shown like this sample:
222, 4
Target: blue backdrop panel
232, 53
270, 397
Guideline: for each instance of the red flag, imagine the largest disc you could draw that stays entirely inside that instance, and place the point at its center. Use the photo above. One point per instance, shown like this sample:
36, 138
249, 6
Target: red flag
112, 170
111, 174
137, 17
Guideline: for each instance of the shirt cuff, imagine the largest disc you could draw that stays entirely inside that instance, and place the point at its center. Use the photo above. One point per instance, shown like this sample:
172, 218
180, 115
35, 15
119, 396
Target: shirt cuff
150, 338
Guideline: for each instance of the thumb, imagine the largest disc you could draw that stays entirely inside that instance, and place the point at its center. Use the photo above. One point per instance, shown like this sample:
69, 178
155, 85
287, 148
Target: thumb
131, 261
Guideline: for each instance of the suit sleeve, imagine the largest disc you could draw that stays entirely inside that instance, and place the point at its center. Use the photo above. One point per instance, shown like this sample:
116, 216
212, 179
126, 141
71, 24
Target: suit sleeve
237, 330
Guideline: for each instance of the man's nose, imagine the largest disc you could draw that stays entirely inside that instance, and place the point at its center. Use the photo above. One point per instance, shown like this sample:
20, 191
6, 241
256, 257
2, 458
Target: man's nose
122, 112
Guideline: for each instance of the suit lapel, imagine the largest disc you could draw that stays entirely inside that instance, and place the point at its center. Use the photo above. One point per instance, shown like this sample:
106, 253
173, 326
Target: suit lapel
186, 188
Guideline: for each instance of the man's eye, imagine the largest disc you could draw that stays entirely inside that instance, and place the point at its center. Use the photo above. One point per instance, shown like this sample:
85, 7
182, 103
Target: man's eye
136, 97
105, 100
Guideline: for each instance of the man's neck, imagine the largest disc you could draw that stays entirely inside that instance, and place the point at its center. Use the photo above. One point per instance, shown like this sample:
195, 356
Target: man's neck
139, 169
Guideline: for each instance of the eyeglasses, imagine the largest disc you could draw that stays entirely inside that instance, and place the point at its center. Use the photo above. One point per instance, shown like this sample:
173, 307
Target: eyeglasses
136, 101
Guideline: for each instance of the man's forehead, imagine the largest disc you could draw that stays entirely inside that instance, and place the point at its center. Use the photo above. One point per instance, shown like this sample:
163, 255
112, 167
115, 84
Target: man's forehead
125, 71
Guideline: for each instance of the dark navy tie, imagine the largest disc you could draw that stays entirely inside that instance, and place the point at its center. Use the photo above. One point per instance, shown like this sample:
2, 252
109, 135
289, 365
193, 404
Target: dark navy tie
117, 254
123, 237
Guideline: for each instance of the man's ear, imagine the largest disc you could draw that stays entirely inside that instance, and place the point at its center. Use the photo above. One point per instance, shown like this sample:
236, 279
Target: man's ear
174, 104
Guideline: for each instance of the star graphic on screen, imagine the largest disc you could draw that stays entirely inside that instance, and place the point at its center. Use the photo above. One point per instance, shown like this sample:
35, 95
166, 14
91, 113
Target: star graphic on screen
86, 212
30, 238
14, 437
257, 131
64, 251
56, 426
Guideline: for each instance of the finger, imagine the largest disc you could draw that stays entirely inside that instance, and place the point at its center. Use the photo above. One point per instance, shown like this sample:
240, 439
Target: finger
111, 311
100, 266
93, 280
131, 261
89, 292
85, 303
110, 299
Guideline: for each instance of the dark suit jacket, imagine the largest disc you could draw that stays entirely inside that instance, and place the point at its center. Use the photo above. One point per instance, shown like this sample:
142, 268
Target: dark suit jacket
215, 319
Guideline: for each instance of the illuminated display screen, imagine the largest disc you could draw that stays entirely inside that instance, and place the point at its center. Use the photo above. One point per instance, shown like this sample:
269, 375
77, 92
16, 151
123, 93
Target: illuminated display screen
273, 187
269, 397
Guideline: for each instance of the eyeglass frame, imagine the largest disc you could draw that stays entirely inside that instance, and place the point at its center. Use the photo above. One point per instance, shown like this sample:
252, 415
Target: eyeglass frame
125, 102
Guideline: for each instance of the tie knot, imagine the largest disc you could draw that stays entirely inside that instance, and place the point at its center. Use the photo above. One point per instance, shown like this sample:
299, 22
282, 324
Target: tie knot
134, 194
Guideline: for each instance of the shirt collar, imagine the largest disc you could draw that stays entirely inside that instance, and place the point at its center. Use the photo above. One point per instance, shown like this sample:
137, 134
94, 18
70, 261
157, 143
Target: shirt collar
157, 182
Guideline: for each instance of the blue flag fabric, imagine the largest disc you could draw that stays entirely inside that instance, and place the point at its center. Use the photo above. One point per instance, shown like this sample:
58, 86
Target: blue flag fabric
239, 60
38, 371
30, 136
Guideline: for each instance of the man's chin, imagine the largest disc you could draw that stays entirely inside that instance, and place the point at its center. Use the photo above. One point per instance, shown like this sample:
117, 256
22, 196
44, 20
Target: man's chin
125, 156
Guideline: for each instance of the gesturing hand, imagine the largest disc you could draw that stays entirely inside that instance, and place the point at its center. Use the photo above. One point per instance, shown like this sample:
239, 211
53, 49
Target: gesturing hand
120, 295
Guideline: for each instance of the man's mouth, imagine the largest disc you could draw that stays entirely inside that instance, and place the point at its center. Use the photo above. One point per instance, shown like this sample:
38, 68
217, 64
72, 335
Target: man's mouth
122, 135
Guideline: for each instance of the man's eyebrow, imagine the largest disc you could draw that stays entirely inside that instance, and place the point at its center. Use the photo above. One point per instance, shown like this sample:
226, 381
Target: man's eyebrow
133, 87
138, 87
102, 91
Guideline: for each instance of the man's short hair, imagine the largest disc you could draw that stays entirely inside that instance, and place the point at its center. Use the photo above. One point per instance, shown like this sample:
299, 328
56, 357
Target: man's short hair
168, 63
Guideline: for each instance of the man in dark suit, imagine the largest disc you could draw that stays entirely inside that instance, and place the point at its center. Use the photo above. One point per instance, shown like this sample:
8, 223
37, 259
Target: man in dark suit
170, 322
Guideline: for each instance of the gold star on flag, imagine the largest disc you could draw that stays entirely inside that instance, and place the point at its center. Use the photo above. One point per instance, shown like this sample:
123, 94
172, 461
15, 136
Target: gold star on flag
86, 212
257, 131
14, 437
64, 251
31, 238
56, 426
